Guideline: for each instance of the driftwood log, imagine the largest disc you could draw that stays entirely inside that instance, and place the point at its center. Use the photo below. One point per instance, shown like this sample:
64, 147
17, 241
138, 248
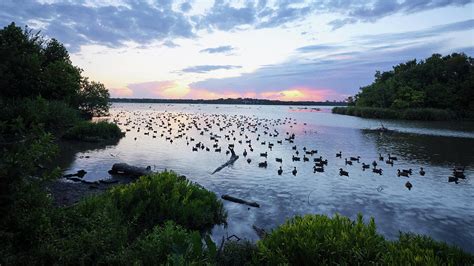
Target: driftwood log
129, 170
230, 162
241, 201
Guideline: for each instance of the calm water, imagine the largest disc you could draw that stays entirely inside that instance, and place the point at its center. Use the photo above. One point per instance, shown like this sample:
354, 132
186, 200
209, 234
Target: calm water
433, 206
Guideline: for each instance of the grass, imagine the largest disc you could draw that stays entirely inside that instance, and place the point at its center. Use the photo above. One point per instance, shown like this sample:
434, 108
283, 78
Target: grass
94, 132
428, 114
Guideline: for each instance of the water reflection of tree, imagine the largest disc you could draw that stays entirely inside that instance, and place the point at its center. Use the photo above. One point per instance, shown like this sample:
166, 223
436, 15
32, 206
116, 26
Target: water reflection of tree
428, 149
68, 150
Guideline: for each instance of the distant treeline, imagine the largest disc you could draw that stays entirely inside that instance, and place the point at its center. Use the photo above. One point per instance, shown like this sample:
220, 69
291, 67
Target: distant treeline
439, 82
229, 101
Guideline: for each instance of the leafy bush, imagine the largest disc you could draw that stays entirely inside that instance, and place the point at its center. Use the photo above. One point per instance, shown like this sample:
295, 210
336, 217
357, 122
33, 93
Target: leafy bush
318, 238
94, 132
423, 250
237, 253
53, 116
170, 244
130, 223
166, 196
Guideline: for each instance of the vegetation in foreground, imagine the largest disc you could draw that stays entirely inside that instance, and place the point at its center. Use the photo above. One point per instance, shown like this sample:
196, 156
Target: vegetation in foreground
438, 88
159, 219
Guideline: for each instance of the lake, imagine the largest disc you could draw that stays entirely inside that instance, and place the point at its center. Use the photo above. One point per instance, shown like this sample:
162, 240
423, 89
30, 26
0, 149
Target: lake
433, 206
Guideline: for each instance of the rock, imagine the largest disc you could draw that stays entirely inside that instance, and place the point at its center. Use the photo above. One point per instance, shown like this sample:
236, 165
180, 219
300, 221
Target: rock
129, 170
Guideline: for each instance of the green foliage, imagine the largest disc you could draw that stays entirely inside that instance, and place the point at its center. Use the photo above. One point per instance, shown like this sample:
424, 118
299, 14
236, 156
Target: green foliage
93, 98
423, 250
52, 116
32, 67
430, 114
155, 198
238, 253
318, 238
107, 229
94, 132
170, 244
437, 82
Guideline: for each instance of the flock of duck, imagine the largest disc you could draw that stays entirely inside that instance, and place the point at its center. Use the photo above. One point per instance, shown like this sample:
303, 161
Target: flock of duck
225, 133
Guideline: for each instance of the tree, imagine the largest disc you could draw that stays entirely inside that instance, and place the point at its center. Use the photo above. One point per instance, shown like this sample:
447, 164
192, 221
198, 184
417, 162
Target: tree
93, 98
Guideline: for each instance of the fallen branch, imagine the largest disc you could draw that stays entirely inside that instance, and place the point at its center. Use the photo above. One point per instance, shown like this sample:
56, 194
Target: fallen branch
231, 161
241, 201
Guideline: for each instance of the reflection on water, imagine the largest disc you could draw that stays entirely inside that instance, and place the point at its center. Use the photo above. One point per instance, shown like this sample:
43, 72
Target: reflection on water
434, 206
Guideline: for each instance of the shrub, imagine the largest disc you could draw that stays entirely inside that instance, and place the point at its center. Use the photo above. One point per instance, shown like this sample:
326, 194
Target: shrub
166, 196
319, 239
94, 132
237, 253
170, 244
53, 116
423, 250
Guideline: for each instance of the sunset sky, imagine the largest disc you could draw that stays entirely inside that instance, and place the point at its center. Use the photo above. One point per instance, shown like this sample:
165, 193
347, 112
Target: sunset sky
286, 50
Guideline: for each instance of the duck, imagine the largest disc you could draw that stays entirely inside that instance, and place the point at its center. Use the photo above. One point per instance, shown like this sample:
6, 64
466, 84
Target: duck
262, 164
279, 160
294, 158
453, 179
393, 158
389, 162
280, 171
409, 171
355, 158
348, 162
377, 171
318, 169
264, 154
305, 159
422, 172
365, 166
408, 185
380, 157
249, 160
342, 172
294, 171
374, 163
339, 154
401, 173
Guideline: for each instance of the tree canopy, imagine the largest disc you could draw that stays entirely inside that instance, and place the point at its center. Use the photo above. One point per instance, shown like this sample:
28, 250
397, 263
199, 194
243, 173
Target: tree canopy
443, 82
31, 66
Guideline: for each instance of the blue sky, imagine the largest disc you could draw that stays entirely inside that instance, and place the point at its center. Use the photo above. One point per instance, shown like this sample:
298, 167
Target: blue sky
287, 50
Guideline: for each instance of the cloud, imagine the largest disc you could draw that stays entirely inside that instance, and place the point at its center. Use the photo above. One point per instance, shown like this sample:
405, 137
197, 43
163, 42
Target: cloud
413, 35
170, 44
75, 23
318, 48
207, 68
154, 89
371, 11
115, 23
219, 49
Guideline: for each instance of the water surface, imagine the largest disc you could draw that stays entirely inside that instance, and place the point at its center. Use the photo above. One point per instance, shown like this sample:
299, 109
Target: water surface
433, 206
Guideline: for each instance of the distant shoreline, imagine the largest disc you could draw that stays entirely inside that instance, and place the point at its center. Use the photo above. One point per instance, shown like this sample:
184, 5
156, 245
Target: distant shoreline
239, 101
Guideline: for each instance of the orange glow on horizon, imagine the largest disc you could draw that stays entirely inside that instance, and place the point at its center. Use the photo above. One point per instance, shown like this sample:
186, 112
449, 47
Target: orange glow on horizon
175, 90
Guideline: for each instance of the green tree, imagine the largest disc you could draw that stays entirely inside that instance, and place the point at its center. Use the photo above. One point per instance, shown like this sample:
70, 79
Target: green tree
93, 98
